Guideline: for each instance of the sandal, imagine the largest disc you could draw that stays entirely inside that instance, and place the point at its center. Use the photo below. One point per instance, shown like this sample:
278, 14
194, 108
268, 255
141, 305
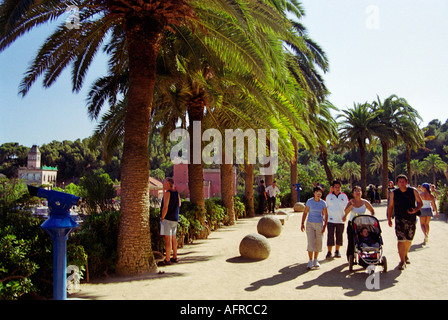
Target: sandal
174, 260
163, 263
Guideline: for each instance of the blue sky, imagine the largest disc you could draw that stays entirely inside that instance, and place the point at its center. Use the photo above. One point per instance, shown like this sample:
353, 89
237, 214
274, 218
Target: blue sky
375, 47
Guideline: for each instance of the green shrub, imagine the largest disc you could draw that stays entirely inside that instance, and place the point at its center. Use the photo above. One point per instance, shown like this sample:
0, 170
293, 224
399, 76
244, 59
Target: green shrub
190, 212
216, 213
98, 236
239, 207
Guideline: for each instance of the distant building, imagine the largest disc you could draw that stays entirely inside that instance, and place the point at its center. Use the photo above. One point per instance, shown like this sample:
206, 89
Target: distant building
155, 188
212, 181
34, 173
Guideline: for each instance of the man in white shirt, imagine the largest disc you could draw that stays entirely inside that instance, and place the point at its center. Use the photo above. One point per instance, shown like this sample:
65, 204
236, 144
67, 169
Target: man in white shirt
336, 202
272, 191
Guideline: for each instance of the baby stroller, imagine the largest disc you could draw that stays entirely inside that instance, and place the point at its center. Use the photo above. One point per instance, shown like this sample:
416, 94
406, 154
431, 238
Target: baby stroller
368, 243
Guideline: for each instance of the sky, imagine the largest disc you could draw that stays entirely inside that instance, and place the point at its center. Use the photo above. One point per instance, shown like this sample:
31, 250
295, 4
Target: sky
375, 48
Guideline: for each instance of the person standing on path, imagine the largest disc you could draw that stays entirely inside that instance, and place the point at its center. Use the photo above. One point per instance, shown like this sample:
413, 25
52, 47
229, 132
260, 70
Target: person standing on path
272, 192
316, 210
261, 197
356, 206
429, 206
403, 204
336, 203
169, 218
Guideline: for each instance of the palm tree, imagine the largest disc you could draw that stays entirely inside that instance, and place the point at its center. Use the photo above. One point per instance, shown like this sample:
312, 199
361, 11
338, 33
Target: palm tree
351, 170
377, 165
141, 26
416, 169
397, 120
435, 164
357, 126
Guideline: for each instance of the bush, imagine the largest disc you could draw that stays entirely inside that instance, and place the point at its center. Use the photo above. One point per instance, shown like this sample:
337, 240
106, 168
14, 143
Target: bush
190, 211
216, 213
98, 236
239, 207
26, 256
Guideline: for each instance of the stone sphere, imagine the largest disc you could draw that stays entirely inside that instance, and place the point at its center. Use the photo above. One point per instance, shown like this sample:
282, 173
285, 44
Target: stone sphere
255, 247
282, 216
269, 226
299, 207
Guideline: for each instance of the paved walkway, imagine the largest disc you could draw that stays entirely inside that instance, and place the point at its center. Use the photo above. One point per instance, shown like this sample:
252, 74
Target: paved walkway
213, 269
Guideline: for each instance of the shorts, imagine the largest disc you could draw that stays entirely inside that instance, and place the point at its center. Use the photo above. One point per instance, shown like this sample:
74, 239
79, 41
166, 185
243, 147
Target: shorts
333, 228
168, 228
314, 235
426, 212
404, 229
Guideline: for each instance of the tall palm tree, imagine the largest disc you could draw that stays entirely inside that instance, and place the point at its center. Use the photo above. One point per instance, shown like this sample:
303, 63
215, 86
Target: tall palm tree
357, 126
435, 164
395, 119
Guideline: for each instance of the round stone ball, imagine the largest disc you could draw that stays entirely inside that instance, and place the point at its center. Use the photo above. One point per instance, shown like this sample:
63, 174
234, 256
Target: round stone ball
269, 226
299, 207
255, 247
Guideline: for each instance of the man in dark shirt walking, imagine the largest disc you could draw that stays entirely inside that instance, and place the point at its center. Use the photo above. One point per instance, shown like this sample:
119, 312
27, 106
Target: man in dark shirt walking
405, 202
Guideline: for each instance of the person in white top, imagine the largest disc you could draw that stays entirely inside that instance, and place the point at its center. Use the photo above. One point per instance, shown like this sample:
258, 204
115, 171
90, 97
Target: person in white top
336, 202
272, 191
356, 206
429, 205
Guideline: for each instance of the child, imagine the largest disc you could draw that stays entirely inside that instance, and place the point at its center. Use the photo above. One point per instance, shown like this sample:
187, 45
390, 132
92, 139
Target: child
366, 240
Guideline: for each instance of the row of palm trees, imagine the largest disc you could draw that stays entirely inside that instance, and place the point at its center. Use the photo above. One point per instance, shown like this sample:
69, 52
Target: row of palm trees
243, 64
390, 122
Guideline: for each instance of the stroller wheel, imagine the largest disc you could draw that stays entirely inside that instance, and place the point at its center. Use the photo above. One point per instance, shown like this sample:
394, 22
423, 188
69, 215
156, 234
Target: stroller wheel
351, 262
384, 263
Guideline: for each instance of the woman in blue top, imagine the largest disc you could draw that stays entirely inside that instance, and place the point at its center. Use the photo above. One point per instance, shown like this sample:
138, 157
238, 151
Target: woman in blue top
316, 210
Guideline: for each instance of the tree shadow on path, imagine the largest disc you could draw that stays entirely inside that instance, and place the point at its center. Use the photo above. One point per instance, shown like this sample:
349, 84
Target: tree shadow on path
286, 274
355, 281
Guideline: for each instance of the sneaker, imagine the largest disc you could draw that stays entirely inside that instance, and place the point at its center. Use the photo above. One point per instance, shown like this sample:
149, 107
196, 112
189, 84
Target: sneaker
337, 254
164, 263
407, 261
316, 263
328, 256
310, 265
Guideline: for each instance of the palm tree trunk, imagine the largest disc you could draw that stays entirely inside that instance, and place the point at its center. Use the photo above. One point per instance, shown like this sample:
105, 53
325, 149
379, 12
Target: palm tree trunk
362, 151
324, 158
294, 174
249, 189
227, 190
195, 107
408, 162
134, 238
385, 172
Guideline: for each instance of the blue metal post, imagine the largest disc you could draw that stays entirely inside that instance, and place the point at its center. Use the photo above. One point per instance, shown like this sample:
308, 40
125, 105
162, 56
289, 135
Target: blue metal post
59, 225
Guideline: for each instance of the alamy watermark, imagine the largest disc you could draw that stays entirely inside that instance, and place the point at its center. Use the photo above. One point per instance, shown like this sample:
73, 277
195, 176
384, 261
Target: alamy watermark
73, 280
373, 280
72, 21
212, 153
373, 17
